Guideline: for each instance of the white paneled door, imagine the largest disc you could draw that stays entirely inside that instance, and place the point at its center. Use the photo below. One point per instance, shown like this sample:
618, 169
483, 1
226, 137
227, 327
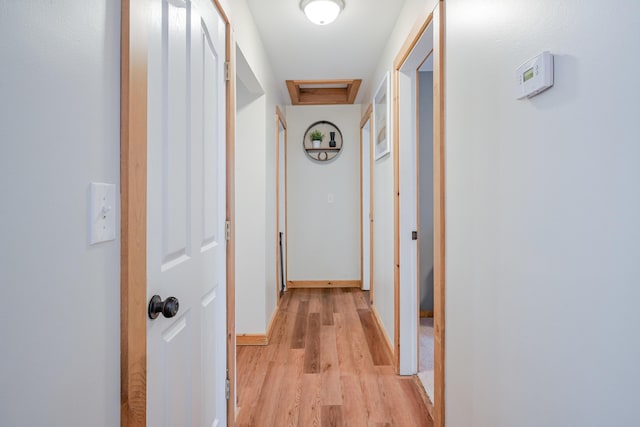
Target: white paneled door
186, 246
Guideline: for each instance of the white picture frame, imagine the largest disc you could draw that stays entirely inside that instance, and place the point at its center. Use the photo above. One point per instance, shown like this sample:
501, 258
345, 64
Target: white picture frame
381, 114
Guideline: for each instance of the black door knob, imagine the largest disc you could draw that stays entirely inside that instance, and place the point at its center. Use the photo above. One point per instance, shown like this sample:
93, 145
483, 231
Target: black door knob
168, 307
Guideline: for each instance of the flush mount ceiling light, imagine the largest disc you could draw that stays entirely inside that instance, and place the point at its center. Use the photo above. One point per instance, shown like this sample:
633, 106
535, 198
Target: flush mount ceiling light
322, 12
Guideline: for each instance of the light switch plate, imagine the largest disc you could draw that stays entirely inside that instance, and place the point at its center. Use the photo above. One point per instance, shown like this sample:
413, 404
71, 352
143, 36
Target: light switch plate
102, 218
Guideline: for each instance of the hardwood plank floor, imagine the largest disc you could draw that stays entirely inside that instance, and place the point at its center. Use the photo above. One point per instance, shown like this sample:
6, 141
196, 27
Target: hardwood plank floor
326, 365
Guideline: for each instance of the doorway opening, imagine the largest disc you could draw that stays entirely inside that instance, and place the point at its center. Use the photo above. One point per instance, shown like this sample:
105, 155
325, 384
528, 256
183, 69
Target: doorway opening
419, 220
424, 196
366, 203
281, 204
251, 142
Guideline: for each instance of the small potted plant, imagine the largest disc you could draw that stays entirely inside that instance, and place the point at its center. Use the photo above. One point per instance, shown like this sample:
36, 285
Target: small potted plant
316, 138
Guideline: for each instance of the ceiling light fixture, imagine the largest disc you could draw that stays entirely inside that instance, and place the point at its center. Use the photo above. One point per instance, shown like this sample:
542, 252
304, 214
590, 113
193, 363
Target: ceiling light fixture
322, 12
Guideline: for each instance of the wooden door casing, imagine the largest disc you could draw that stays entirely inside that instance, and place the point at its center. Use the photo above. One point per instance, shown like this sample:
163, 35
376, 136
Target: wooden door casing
134, 41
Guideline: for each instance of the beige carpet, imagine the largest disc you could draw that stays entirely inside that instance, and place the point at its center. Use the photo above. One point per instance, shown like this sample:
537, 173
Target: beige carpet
426, 355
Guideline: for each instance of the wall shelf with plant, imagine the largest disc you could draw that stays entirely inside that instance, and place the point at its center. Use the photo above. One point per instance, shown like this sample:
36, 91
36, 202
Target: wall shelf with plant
316, 144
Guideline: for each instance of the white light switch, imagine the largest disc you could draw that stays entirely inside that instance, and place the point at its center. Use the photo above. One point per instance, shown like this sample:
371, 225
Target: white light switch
330, 198
103, 212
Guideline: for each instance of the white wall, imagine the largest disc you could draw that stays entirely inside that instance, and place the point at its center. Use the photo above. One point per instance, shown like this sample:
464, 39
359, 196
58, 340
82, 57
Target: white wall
383, 197
425, 196
250, 211
411, 13
259, 182
59, 130
542, 216
323, 238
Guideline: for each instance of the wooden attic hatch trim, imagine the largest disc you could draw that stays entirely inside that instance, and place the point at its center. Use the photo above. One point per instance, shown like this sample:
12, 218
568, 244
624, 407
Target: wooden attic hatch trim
322, 92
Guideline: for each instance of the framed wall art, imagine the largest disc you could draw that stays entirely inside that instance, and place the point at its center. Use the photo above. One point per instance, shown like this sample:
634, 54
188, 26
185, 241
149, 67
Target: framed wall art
381, 107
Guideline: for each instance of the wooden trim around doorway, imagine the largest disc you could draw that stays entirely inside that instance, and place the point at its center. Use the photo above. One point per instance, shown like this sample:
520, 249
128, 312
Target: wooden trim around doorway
439, 195
435, 18
230, 131
401, 57
396, 222
133, 228
367, 117
280, 119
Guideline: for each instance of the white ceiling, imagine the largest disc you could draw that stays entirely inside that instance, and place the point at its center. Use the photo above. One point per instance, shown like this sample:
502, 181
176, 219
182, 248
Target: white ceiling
348, 48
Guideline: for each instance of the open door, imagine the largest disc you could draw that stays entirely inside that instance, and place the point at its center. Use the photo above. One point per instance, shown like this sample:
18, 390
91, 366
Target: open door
174, 214
186, 241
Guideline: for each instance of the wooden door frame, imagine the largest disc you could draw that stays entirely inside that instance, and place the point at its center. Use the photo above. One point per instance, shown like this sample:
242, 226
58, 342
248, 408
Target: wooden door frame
367, 117
133, 229
433, 17
280, 119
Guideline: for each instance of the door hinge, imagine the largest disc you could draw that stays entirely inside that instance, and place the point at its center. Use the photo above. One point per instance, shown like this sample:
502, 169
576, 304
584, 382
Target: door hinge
226, 71
414, 235
227, 389
227, 230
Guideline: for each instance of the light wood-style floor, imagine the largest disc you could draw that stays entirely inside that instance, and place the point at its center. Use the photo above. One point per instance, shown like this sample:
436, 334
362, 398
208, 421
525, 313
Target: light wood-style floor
326, 365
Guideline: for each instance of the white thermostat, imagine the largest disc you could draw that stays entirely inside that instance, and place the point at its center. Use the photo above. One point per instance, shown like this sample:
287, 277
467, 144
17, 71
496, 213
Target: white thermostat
535, 75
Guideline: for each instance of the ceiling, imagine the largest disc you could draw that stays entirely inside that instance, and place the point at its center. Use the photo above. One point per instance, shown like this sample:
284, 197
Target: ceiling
348, 48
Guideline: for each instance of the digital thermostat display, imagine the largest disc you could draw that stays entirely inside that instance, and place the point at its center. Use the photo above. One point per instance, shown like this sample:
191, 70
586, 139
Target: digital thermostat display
528, 75
535, 76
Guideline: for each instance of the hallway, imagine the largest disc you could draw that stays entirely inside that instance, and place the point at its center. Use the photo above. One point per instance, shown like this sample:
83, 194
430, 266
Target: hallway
326, 365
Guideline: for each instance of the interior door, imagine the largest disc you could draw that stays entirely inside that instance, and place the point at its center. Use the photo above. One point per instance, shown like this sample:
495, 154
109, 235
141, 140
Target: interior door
186, 242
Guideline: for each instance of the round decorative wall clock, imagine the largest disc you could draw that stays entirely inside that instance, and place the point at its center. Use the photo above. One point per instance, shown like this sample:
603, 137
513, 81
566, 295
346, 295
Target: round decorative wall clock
322, 141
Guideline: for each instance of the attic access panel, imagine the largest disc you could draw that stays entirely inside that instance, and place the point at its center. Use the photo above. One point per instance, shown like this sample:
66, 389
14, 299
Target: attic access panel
323, 92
